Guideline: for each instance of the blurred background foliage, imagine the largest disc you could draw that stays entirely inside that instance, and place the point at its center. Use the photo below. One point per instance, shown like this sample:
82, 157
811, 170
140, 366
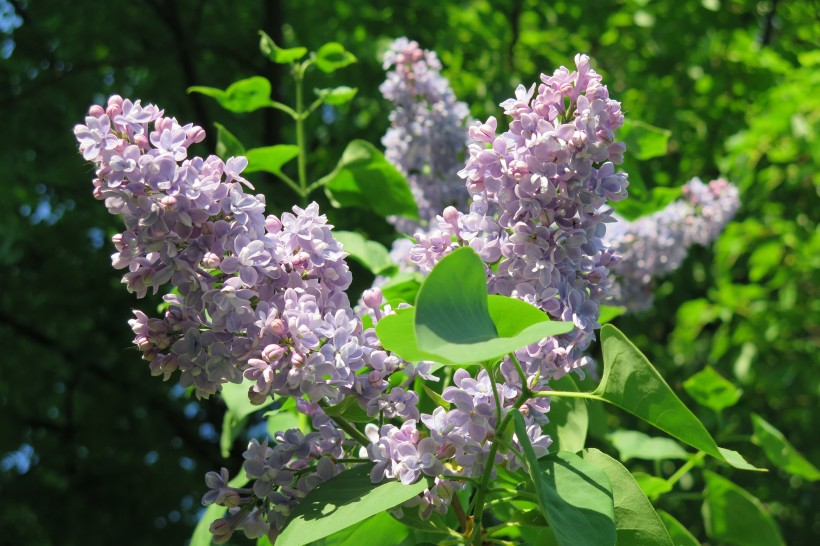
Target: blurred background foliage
94, 449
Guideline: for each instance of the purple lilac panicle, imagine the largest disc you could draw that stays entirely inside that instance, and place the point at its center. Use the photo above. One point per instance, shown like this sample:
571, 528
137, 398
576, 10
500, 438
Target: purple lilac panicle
540, 194
427, 132
260, 297
655, 245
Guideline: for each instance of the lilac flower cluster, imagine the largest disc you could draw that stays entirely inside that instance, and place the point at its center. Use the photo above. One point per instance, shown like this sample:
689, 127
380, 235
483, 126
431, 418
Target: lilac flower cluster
256, 296
427, 134
655, 245
538, 213
539, 208
282, 475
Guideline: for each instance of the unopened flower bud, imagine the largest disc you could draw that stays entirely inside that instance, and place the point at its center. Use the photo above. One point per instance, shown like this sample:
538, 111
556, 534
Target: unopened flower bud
273, 352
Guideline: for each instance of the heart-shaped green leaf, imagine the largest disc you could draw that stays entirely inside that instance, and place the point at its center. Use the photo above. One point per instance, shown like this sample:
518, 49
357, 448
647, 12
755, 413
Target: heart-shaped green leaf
333, 56
270, 158
712, 390
453, 320
242, 96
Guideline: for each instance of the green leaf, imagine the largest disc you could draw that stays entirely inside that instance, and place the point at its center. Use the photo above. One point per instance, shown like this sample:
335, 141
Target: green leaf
630, 382
232, 426
636, 522
371, 254
333, 56
568, 418
379, 529
453, 321
780, 452
731, 514
240, 97
239, 408
652, 486
610, 313
364, 178
202, 535
337, 95
227, 145
277, 54
644, 141
574, 496
270, 158
709, 388
632, 444
403, 287
349, 409
283, 418
435, 397
680, 534
236, 398
343, 501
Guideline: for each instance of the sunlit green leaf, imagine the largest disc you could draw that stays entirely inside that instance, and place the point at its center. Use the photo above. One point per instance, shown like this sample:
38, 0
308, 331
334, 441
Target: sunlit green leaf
712, 390
636, 522
610, 313
780, 452
574, 496
452, 318
227, 145
731, 514
680, 534
277, 54
333, 56
364, 178
644, 141
270, 158
343, 501
632, 444
242, 96
630, 382
652, 486
337, 95
371, 254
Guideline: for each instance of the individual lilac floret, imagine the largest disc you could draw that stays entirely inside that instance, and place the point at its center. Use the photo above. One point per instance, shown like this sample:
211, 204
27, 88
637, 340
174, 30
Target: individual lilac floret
540, 193
655, 245
427, 135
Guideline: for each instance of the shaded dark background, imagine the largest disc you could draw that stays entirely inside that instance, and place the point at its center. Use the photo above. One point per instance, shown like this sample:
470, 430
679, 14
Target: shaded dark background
93, 450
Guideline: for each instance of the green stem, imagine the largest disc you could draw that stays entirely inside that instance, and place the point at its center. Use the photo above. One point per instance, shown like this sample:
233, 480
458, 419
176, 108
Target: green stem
481, 491
300, 136
284, 108
488, 369
289, 181
567, 394
352, 431
685, 468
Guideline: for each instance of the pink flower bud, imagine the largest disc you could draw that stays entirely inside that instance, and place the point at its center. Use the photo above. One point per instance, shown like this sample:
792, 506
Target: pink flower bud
96, 111
273, 224
372, 298
273, 352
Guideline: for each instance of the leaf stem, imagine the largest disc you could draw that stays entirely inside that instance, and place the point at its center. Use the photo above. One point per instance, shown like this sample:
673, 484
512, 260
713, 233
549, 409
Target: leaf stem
348, 427
685, 468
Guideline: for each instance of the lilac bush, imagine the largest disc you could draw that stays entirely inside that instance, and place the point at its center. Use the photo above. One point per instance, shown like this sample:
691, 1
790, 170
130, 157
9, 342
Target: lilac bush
262, 299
